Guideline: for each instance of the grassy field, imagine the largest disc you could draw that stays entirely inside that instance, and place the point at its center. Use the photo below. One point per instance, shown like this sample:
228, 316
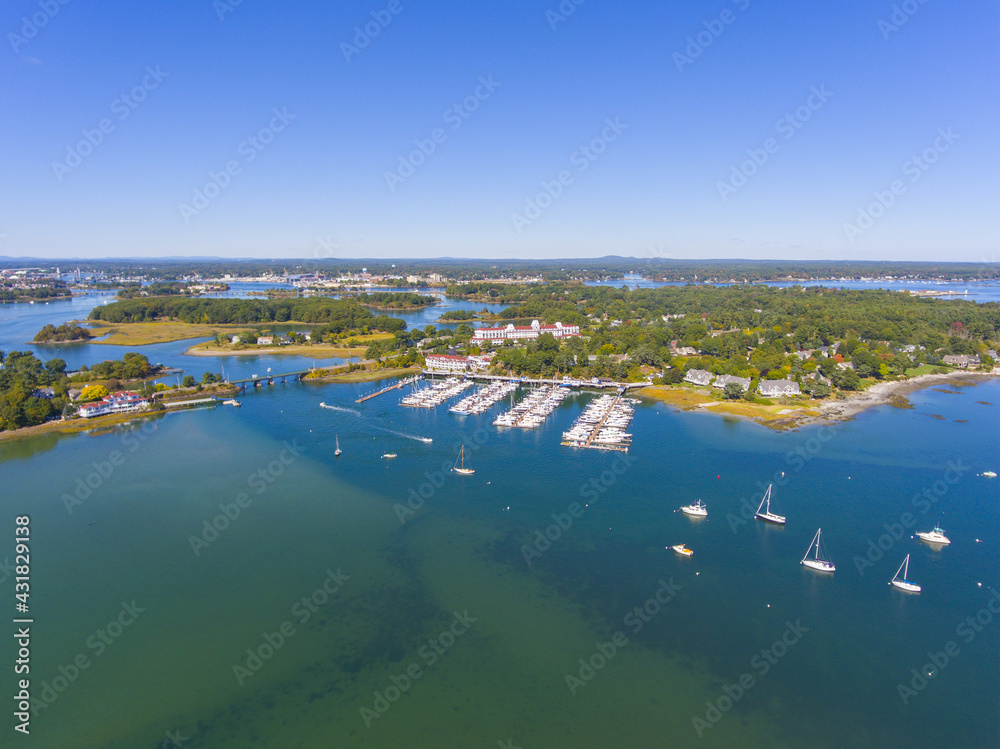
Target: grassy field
146, 333
311, 350
926, 369
690, 399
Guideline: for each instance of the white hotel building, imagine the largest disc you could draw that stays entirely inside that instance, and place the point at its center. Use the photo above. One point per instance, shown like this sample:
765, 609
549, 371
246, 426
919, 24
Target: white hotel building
524, 332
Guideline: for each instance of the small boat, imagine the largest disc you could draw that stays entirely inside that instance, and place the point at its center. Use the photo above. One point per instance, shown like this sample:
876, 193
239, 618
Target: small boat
767, 514
819, 560
990, 474
904, 584
935, 536
338, 451
462, 469
389, 455
682, 550
698, 509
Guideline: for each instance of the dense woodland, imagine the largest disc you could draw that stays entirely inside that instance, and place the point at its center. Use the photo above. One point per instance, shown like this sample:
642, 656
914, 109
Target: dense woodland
65, 332
335, 315
748, 331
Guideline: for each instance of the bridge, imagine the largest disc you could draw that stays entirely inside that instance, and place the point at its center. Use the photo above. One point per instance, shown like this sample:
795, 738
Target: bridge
269, 378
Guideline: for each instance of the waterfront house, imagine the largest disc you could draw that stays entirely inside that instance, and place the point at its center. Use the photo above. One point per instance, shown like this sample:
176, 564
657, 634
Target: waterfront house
698, 377
772, 388
265, 340
962, 361
125, 401
722, 380
447, 362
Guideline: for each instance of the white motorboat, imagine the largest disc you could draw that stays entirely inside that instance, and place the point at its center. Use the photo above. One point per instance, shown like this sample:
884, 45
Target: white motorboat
935, 536
698, 509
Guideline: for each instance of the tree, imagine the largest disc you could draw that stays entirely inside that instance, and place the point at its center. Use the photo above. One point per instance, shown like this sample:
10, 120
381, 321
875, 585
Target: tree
93, 393
56, 366
732, 391
188, 381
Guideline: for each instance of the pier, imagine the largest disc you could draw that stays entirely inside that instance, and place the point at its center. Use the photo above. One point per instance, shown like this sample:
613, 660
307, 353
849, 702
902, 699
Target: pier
589, 431
383, 391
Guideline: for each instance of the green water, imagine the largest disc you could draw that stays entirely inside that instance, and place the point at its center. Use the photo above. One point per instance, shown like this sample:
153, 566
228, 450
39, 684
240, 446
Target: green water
504, 676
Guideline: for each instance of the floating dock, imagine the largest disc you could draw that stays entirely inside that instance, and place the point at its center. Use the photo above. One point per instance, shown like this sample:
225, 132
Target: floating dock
530, 413
383, 391
602, 425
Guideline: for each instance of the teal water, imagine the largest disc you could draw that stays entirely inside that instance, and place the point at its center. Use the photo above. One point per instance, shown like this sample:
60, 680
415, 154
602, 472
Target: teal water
505, 677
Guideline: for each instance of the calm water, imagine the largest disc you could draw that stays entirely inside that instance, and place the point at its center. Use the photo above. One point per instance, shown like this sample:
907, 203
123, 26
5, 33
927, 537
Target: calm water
503, 677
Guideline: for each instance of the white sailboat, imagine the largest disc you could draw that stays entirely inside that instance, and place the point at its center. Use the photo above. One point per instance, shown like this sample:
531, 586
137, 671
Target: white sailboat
462, 469
698, 509
338, 451
767, 514
935, 536
819, 560
904, 584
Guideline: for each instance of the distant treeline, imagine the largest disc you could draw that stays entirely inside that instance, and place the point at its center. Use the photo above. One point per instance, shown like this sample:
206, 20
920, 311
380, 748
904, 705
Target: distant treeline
654, 265
335, 315
396, 300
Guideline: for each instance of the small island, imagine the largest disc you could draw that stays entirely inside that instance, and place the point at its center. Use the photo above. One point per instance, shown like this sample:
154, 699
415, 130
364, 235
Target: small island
62, 334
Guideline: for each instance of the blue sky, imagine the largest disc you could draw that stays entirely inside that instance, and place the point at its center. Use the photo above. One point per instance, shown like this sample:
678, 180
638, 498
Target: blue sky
501, 129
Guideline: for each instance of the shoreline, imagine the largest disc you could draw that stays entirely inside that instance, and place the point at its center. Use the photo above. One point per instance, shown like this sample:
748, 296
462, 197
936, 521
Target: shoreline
814, 413
314, 351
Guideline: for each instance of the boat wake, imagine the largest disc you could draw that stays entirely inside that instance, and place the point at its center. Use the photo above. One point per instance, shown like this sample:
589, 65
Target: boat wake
426, 440
340, 408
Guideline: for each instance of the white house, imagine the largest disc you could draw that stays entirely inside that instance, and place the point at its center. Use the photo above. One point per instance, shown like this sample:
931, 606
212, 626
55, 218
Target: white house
698, 377
524, 332
265, 340
447, 362
119, 403
722, 380
769, 388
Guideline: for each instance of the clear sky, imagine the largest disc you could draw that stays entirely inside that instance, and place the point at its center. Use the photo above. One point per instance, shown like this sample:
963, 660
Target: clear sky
854, 129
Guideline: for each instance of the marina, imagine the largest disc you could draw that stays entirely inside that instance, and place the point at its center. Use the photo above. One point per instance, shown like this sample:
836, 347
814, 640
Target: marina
395, 386
484, 398
436, 394
531, 412
602, 425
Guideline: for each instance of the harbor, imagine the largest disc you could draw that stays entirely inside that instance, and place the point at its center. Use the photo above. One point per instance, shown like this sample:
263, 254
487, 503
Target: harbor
531, 411
396, 386
436, 394
603, 425
484, 398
